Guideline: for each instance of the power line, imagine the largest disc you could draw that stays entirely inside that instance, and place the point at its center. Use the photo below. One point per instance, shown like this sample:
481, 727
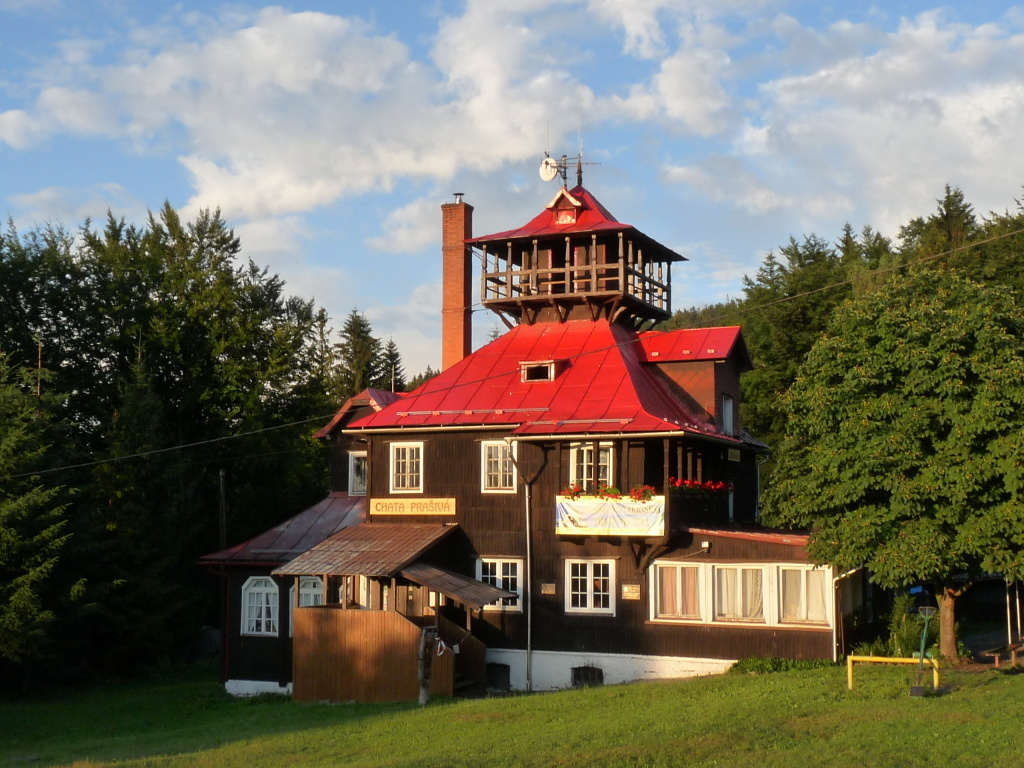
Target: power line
181, 447
870, 275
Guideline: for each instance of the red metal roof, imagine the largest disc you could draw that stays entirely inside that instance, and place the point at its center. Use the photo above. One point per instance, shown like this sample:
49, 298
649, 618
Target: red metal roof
590, 216
694, 344
604, 385
378, 398
370, 549
294, 536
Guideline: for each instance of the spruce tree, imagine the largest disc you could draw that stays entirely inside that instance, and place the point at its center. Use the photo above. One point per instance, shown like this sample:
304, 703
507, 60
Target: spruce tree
32, 534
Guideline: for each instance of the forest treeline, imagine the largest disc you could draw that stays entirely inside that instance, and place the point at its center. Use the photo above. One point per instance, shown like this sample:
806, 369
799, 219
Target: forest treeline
121, 346
789, 302
157, 396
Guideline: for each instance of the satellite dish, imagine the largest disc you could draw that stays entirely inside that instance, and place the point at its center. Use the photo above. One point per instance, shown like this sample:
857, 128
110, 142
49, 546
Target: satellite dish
548, 168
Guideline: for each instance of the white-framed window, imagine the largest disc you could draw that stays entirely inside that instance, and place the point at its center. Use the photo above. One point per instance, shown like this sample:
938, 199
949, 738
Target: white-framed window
503, 573
769, 594
677, 591
728, 420
407, 467
260, 606
497, 470
590, 586
357, 467
739, 593
803, 595
311, 592
590, 465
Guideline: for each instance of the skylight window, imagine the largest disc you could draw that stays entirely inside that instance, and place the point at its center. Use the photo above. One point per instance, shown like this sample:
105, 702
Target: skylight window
540, 370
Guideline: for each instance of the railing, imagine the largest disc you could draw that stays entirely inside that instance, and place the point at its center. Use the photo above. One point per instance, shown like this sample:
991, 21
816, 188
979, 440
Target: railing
643, 282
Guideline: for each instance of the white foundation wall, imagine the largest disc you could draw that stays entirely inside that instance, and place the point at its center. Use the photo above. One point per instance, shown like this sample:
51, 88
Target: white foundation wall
255, 687
552, 670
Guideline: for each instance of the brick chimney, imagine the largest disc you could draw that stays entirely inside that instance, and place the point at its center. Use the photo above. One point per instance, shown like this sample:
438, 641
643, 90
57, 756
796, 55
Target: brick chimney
456, 277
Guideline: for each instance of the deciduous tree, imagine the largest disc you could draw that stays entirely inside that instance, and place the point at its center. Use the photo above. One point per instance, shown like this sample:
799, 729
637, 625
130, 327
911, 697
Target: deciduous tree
903, 451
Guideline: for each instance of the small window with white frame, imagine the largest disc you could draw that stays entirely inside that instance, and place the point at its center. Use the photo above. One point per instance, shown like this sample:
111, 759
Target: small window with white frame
503, 573
677, 591
739, 593
407, 467
803, 595
311, 593
728, 420
357, 467
260, 606
497, 468
590, 465
590, 586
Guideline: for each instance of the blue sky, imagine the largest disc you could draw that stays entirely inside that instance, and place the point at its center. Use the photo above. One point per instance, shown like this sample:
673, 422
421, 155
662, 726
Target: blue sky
329, 133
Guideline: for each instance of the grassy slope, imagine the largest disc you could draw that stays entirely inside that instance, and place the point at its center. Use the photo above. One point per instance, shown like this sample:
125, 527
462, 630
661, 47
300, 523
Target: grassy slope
798, 718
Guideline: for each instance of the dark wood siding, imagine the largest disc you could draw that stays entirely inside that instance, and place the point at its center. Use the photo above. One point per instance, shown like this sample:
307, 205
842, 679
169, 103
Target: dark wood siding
494, 525
249, 657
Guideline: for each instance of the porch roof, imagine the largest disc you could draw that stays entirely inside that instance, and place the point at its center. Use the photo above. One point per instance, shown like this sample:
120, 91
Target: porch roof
370, 549
470, 592
295, 535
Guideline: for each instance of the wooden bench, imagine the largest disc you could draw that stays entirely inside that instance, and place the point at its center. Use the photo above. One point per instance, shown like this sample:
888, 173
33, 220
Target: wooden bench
996, 654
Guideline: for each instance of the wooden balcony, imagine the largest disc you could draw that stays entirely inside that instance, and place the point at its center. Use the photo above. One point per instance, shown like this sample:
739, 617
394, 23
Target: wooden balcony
505, 286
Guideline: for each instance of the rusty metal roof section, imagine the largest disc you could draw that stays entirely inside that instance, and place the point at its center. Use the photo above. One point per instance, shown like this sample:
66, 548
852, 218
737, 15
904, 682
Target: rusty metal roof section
370, 549
470, 592
295, 535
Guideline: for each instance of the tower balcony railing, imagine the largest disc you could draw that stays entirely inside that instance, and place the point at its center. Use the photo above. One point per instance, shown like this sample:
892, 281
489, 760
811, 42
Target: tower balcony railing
645, 283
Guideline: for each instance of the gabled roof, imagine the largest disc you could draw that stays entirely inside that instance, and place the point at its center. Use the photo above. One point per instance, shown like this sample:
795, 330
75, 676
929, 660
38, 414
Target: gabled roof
376, 398
695, 344
590, 216
603, 385
370, 549
294, 536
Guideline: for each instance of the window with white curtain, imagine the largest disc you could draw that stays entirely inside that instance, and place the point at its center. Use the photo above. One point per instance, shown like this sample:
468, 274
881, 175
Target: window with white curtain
739, 593
803, 595
259, 606
678, 591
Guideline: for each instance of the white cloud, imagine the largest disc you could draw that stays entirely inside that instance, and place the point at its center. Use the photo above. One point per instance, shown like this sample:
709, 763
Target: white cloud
411, 228
70, 206
19, 129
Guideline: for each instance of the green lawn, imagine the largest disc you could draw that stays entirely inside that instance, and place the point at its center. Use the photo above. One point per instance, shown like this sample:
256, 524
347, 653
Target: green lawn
802, 719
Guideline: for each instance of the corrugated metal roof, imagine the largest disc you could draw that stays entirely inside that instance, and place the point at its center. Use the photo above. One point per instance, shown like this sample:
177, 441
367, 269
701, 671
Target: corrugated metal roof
294, 536
370, 549
591, 216
605, 385
470, 592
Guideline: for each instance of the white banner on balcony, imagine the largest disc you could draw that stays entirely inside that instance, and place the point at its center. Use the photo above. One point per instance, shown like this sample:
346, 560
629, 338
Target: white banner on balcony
609, 517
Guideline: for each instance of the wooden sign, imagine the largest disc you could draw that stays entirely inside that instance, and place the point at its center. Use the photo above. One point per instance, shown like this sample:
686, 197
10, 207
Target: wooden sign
412, 506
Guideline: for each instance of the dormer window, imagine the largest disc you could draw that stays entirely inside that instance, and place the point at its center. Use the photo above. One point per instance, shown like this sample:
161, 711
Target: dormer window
540, 370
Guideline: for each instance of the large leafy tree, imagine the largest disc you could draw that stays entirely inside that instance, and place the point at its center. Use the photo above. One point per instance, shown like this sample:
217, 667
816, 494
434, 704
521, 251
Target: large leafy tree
903, 451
